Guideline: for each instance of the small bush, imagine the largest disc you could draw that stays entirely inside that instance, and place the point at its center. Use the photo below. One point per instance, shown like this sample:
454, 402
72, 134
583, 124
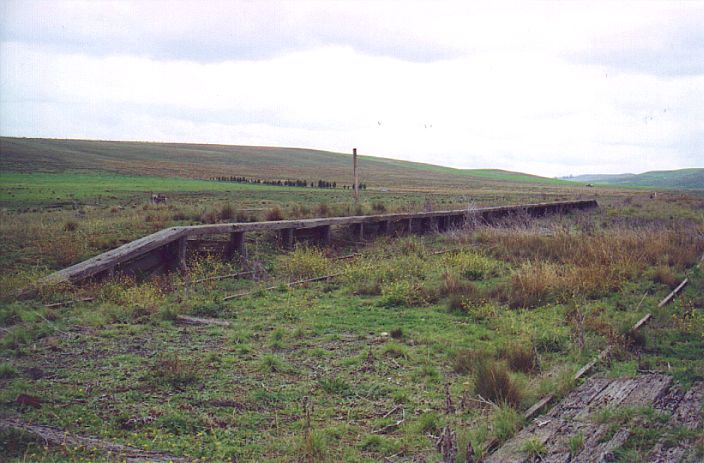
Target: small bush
465, 360
227, 212
65, 250
664, 275
493, 382
377, 443
550, 341
334, 385
429, 423
472, 266
506, 422
179, 422
394, 349
302, 263
178, 216
378, 206
270, 363
274, 214
520, 358
70, 226
323, 210
533, 448
209, 216
531, 284
173, 370
209, 309
403, 293
576, 444
7, 371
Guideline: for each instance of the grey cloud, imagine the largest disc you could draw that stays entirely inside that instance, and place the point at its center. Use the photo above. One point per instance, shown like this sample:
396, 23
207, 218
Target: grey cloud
211, 33
673, 48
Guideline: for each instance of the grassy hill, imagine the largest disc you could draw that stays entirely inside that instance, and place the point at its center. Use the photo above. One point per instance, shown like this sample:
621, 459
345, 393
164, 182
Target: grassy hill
682, 178
201, 161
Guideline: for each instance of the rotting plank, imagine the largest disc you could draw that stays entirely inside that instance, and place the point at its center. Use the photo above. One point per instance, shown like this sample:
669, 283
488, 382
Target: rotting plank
674, 293
202, 321
105, 261
576, 415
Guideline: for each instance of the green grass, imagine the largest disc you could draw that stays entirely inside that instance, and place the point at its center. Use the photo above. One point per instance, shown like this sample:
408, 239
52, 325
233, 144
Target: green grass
369, 351
676, 179
37, 188
206, 161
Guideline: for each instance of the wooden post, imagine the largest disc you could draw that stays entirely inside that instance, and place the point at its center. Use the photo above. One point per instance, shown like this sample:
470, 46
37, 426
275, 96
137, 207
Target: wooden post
236, 245
324, 234
287, 238
356, 175
410, 226
358, 231
183, 268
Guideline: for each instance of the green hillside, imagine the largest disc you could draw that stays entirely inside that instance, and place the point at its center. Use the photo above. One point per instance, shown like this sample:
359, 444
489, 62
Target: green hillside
200, 161
682, 178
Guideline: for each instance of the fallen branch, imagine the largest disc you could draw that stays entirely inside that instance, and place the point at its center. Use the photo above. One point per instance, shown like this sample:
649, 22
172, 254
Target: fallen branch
389, 427
64, 303
674, 293
222, 277
58, 438
293, 283
202, 321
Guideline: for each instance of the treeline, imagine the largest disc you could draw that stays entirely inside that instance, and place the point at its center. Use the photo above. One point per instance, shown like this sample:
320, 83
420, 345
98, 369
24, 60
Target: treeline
287, 182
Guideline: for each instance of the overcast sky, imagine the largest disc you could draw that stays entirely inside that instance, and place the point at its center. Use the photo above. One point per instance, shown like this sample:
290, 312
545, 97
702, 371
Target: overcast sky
552, 88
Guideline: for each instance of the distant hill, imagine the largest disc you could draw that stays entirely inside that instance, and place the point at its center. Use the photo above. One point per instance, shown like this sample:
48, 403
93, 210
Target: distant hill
203, 161
682, 178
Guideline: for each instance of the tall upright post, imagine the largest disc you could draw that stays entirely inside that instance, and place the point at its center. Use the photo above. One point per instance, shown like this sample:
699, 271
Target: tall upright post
356, 176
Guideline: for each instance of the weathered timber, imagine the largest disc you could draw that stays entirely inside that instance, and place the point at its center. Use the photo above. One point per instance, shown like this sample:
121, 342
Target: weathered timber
222, 277
54, 437
577, 413
107, 260
674, 293
324, 234
236, 245
286, 237
292, 283
165, 238
65, 303
201, 321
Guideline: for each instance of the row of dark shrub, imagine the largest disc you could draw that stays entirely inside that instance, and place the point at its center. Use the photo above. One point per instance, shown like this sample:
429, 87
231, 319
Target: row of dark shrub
287, 182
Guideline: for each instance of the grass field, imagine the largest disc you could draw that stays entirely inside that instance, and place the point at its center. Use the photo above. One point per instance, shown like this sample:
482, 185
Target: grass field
356, 369
682, 179
206, 161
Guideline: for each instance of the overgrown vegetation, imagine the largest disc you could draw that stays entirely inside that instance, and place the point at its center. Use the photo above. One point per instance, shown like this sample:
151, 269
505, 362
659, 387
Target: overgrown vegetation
352, 369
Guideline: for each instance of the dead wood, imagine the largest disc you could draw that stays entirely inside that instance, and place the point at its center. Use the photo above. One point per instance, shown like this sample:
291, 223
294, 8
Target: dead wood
202, 321
674, 293
59, 438
64, 303
223, 277
293, 283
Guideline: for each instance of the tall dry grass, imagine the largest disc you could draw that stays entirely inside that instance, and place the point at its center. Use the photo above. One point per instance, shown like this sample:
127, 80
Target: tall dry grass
560, 264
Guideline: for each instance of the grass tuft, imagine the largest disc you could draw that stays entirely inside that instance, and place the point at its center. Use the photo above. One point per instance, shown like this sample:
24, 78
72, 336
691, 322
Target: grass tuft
493, 382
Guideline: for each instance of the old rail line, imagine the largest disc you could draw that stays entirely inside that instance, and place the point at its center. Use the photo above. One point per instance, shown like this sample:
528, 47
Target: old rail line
167, 248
